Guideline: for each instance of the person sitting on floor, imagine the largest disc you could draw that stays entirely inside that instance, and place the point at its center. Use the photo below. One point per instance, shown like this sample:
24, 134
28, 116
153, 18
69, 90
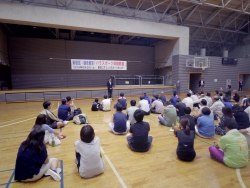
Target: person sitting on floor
123, 101
205, 124
203, 104
64, 111
188, 101
146, 98
96, 105
41, 122
173, 99
105, 104
195, 99
168, 116
52, 121
220, 129
88, 155
143, 105
232, 149
245, 102
241, 117
32, 161
70, 102
120, 125
247, 110
209, 100
138, 139
227, 103
185, 149
236, 97
217, 107
157, 106
216, 93
180, 108
163, 98
130, 112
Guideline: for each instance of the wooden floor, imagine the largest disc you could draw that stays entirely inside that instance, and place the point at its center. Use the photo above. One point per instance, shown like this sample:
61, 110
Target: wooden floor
159, 167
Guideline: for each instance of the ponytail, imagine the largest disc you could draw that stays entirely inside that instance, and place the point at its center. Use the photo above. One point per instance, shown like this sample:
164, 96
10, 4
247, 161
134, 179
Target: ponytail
187, 130
185, 124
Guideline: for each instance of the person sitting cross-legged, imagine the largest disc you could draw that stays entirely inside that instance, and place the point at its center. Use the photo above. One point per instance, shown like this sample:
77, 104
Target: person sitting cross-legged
130, 112
138, 139
143, 105
185, 149
96, 105
241, 117
227, 102
163, 99
64, 111
168, 116
180, 108
122, 101
105, 104
232, 149
157, 106
188, 101
173, 98
220, 129
203, 104
205, 124
120, 125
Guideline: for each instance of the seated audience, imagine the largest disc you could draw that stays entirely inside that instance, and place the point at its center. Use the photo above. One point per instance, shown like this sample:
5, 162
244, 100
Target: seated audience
52, 121
205, 124
244, 102
216, 92
236, 96
138, 139
119, 124
203, 104
209, 100
195, 99
41, 122
96, 105
217, 106
220, 129
188, 101
168, 116
221, 96
173, 98
146, 98
123, 101
185, 149
157, 106
64, 111
163, 98
247, 110
227, 103
130, 112
88, 155
241, 117
70, 102
143, 105
32, 161
246, 133
105, 104
232, 149
180, 106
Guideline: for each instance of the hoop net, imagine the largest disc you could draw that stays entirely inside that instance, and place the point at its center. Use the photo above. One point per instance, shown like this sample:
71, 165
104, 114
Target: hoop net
198, 62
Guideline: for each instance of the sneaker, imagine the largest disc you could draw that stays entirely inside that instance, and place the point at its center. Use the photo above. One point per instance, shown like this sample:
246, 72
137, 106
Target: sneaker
65, 122
53, 174
58, 170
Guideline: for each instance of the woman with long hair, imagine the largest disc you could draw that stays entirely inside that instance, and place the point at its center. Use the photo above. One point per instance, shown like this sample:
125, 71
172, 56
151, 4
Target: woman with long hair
32, 161
88, 159
185, 149
41, 122
220, 129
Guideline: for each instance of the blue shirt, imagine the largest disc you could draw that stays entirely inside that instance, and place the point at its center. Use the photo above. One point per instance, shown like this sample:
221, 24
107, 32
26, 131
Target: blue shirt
147, 98
120, 122
173, 100
228, 104
29, 163
206, 126
123, 102
63, 111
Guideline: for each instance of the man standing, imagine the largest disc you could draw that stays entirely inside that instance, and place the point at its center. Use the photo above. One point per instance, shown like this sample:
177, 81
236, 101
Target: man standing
178, 86
110, 88
240, 85
201, 84
227, 92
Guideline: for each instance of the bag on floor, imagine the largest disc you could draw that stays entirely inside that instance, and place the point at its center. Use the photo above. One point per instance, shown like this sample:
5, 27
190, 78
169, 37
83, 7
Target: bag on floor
77, 111
80, 119
48, 137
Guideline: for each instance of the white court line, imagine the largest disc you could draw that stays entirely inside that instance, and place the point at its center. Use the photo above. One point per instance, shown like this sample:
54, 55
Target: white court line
240, 179
20, 121
113, 168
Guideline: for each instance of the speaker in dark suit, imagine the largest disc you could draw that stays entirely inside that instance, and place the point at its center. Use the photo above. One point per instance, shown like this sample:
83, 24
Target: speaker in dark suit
110, 88
201, 84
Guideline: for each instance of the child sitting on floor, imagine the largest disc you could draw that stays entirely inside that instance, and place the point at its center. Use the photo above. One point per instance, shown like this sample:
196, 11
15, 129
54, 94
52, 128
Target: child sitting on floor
95, 105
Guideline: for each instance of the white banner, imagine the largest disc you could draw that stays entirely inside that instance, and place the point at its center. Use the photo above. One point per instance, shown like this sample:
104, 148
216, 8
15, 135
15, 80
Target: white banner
84, 64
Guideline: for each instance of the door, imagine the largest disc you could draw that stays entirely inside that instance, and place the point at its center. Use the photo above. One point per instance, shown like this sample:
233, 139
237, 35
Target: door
194, 81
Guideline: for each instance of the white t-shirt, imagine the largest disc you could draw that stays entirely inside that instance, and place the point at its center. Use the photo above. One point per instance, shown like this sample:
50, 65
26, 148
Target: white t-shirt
106, 104
195, 99
188, 102
209, 101
130, 112
91, 163
247, 110
143, 105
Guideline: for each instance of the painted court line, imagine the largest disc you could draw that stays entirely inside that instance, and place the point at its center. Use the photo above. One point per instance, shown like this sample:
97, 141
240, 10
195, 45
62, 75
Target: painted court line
113, 168
240, 179
7, 170
62, 180
11, 177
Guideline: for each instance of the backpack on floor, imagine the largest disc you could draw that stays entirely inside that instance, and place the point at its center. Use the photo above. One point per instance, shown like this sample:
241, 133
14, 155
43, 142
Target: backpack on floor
80, 119
77, 111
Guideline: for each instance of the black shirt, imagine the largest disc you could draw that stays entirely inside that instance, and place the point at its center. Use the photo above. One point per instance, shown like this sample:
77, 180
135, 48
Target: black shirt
95, 106
191, 121
140, 135
242, 120
236, 97
185, 142
180, 106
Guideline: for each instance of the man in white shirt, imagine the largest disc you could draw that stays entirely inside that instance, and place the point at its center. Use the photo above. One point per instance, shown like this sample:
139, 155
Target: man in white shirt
130, 112
188, 101
157, 106
209, 100
217, 106
201, 84
143, 105
105, 104
195, 99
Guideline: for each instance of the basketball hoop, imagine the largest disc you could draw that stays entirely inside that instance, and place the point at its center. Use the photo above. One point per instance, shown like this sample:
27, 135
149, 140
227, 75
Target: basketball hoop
198, 63
203, 68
